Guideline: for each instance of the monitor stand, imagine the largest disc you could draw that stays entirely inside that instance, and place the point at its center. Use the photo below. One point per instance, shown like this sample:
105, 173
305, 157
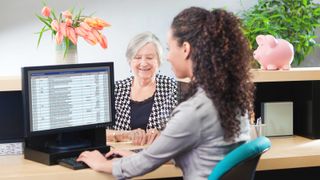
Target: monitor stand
67, 142
48, 149
51, 158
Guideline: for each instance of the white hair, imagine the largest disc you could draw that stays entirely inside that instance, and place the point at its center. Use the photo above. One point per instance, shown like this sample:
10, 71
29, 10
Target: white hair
140, 40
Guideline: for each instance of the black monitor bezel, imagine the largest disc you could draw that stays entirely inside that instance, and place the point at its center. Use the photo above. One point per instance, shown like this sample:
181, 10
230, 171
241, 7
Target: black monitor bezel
25, 97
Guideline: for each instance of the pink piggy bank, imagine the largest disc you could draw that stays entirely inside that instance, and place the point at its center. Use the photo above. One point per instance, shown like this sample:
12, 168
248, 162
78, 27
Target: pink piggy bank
272, 53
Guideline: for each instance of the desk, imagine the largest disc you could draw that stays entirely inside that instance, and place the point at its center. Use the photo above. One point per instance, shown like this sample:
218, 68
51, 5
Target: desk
291, 152
10, 83
285, 153
15, 167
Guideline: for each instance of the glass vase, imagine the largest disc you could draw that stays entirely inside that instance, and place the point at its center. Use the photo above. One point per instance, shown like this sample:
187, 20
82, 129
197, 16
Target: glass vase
69, 57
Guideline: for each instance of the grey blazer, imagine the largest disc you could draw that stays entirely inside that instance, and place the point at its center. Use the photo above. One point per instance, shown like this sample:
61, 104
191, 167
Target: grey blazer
165, 100
193, 138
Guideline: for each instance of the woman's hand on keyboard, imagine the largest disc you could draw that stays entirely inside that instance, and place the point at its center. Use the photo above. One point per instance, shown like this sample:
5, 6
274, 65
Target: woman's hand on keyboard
119, 152
96, 161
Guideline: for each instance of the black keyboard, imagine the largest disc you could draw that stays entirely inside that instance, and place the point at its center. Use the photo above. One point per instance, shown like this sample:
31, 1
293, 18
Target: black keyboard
136, 150
72, 163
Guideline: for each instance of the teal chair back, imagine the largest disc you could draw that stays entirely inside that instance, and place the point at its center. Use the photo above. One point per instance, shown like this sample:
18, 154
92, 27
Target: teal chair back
241, 163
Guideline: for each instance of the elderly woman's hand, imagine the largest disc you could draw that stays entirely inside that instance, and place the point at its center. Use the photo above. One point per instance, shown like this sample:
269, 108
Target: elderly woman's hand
138, 137
141, 137
152, 134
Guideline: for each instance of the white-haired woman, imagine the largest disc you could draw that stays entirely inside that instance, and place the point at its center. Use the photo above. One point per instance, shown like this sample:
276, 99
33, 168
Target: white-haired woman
145, 100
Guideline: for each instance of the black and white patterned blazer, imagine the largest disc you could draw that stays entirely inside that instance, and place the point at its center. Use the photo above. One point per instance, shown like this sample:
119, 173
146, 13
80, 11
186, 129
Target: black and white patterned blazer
165, 100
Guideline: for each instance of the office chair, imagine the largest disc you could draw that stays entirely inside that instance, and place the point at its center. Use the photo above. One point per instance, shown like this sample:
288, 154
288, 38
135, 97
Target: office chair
241, 162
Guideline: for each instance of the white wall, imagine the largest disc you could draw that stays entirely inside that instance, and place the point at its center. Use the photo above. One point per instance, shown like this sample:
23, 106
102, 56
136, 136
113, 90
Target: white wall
128, 17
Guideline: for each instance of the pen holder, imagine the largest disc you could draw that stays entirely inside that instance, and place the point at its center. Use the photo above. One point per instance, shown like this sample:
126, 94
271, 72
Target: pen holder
257, 130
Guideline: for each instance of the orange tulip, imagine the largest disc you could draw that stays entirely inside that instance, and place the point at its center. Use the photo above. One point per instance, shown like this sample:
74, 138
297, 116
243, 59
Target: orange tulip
81, 31
89, 41
104, 42
96, 23
97, 27
67, 14
46, 11
55, 25
59, 37
85, 26
89, 21
68, 22
97, 35
91, 37
102, 22
71, 34
63, 27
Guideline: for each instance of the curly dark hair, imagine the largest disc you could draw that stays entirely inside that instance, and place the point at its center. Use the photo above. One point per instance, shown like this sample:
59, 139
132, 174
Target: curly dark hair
221, 62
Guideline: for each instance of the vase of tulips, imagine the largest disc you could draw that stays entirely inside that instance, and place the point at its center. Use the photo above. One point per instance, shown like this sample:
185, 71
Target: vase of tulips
66, 55
67, 27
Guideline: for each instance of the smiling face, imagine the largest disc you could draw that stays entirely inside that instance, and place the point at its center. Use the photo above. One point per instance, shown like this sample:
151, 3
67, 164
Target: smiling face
145, 63
178, 57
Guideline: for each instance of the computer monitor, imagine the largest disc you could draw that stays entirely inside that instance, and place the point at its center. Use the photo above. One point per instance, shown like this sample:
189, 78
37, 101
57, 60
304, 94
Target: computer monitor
61, 100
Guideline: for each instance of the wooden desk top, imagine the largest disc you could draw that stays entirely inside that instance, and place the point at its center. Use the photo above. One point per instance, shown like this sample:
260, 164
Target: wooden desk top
291, 152
15, 167
10, 83
294, 74
286, 152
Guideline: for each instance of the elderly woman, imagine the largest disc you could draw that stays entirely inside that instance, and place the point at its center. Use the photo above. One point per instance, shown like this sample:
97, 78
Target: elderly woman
145, 100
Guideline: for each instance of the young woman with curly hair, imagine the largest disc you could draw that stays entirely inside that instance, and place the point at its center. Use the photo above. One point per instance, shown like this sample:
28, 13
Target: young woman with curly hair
210, 49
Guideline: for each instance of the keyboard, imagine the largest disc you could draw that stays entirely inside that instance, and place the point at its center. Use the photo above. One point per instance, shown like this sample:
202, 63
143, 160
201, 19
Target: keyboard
72, 163
136, 150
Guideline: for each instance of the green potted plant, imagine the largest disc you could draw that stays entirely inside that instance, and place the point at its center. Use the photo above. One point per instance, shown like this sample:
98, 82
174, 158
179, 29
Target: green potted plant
293, 20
